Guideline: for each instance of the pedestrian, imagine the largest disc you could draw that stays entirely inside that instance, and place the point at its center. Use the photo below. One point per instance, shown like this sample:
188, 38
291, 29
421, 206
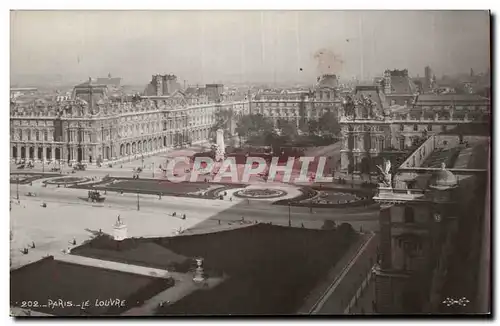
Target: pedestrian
74, 242
219, 222
302, 225
33, 245
230, 198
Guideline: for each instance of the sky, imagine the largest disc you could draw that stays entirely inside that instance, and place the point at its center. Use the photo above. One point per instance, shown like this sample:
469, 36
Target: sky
246, 46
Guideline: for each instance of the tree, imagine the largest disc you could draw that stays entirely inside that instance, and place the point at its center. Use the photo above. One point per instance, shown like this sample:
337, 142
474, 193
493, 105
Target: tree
223, 120
288, 129
328, 124
313, 128
253, 124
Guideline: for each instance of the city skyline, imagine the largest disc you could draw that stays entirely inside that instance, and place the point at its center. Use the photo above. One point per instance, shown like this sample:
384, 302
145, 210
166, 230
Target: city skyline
247, 46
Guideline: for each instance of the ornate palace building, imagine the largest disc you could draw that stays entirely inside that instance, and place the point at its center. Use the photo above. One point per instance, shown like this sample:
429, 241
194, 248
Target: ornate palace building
95, 126
373, 123
432, 225
299, 106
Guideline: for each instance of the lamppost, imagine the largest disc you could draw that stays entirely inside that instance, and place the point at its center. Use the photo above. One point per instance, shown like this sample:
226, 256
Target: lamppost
102, 143
138, 206
17, 187
43, 152
153, 164
289, 214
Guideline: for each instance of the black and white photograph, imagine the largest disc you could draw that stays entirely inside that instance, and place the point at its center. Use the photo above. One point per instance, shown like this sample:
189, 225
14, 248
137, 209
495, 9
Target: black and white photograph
180, 163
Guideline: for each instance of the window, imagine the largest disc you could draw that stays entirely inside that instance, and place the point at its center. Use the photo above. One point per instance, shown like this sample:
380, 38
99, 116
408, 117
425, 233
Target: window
415, 127
401, 128
29, 135
402, 143
429, 128
37, 135
443, 128
45, 136
409, 215
20, 134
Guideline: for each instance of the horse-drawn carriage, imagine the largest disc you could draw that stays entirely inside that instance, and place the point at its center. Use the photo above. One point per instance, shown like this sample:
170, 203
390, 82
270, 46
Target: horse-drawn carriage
79, 167
95, 196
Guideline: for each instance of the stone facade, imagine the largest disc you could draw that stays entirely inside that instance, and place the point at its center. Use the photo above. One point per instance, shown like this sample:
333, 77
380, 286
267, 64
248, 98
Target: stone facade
296, 106
371, 127
100, 130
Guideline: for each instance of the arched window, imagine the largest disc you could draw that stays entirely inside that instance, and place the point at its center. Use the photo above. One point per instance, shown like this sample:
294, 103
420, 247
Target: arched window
409, 215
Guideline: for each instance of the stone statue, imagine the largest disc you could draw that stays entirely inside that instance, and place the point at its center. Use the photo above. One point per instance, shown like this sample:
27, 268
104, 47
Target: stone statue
199, 274
385, 173
221, 148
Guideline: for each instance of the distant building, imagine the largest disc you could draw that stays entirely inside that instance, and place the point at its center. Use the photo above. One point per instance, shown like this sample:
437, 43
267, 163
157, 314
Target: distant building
398, 87
373, 123
214, 92
17, 92
162, 85
92, 127
111, 82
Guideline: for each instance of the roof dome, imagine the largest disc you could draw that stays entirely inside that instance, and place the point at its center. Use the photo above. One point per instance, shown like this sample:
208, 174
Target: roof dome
443, 179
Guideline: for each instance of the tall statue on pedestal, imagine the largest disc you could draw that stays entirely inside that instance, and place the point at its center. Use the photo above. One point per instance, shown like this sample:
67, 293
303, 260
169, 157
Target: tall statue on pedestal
385, 174
120, 230
198, 273
220, 153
